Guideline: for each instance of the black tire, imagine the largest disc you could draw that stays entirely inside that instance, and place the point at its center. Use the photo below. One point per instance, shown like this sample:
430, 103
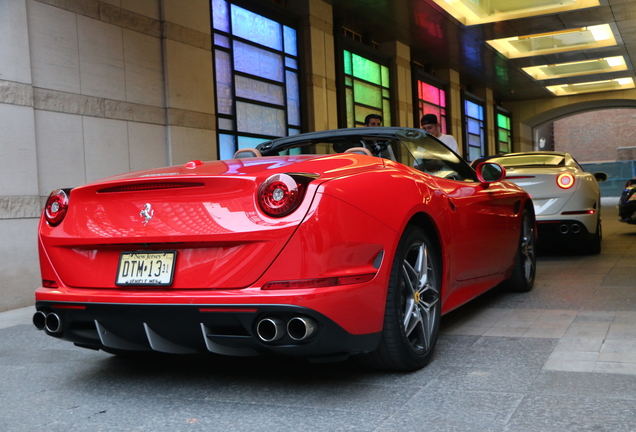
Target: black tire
525, 266
413, 306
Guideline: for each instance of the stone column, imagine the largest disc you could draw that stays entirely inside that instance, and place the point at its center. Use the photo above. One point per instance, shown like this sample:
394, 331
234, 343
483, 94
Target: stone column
189, 88
19, 197
319, 63
401, 91
454, 113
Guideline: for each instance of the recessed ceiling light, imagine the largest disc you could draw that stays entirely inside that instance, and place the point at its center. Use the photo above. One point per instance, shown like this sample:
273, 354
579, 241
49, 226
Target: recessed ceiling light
555, 42
586, 67
471, 12
594, 86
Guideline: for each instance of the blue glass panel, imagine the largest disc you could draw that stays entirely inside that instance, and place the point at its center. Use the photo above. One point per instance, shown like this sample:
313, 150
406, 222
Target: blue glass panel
220, 19
249, 142
293, 100
256, 28
221, 41
259, 91
260, 120
474, 153
227, 146
258, 62
292, 131
223, 82
291, 44
226, 124
291, 63
473, 126
473, 110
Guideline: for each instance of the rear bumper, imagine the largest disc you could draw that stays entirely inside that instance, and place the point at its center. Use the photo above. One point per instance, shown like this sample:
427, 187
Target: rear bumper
571, 231
188, 329
627, 212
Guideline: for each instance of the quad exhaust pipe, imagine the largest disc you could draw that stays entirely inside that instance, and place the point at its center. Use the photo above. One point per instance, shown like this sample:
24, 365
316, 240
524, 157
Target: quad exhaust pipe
298, 328
50, 322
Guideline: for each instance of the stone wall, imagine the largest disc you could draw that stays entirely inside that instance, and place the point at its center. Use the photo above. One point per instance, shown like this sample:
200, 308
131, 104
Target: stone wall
90, 89
603, 135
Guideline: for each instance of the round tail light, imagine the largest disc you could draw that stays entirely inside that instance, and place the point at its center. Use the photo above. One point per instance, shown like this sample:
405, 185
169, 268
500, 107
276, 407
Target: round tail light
280, 195
565, 180
56, 207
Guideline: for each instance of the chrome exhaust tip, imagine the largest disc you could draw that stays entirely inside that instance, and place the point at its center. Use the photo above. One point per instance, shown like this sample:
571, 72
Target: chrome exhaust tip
564, 229
39, 320
301, 328
575, 228
53, 323
270, 329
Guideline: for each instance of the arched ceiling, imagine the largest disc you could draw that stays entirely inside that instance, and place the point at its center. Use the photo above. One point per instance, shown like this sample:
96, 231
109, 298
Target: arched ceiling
440, 41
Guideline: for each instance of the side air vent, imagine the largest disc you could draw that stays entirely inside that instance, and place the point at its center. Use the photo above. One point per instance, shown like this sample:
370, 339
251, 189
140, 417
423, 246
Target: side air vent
150, 186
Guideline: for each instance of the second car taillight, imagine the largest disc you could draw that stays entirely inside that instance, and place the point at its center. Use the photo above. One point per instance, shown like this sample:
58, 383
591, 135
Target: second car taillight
280, 195
565, 180
56, 207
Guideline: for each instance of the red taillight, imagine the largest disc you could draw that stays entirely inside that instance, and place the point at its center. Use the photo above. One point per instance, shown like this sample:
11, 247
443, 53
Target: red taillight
565, 180
280, 195
56, 207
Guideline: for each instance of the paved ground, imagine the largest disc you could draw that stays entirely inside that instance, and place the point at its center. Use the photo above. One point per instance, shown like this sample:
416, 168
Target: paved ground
561, 358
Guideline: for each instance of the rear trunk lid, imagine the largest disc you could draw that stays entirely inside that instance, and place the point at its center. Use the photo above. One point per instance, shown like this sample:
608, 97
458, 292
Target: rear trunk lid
208, 214
541, 184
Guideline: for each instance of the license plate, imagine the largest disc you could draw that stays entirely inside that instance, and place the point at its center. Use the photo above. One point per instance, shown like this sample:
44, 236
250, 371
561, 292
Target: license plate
146, 268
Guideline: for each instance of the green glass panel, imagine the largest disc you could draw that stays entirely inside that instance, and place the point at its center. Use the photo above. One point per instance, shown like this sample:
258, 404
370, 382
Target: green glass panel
385, 77
348, 81
503, 121
367, 94
347, 63
386, 107
386, 93
366, 69
349, 104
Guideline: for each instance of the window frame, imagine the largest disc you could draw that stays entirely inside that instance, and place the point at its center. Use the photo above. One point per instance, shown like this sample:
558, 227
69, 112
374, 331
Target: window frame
227, 123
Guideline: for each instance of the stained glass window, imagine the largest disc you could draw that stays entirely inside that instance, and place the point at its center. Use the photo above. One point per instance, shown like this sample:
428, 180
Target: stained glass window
431, 100
475, 133
367, 90
504, 133
256, 74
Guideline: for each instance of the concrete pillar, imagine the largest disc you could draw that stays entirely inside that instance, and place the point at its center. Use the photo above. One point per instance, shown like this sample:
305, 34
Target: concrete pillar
319, 63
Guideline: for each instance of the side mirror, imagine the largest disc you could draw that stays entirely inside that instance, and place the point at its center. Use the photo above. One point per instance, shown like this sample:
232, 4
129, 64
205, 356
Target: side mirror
488, 172
600, 176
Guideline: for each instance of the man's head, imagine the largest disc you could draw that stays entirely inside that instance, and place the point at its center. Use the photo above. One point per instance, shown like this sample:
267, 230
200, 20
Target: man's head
373, 120
431, 125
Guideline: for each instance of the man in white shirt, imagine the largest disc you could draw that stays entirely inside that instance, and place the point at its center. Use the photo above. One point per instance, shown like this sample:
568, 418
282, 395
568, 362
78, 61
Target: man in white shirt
431, 125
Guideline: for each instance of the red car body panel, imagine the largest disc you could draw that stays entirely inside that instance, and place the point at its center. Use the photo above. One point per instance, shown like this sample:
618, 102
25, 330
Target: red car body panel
347, 227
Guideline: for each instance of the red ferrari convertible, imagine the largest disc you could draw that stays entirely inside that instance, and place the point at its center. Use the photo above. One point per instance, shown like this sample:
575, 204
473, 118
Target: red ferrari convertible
321, 245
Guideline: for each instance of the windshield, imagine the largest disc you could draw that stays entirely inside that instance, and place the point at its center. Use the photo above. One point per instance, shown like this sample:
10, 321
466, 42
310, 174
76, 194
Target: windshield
530, 160
413, 148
